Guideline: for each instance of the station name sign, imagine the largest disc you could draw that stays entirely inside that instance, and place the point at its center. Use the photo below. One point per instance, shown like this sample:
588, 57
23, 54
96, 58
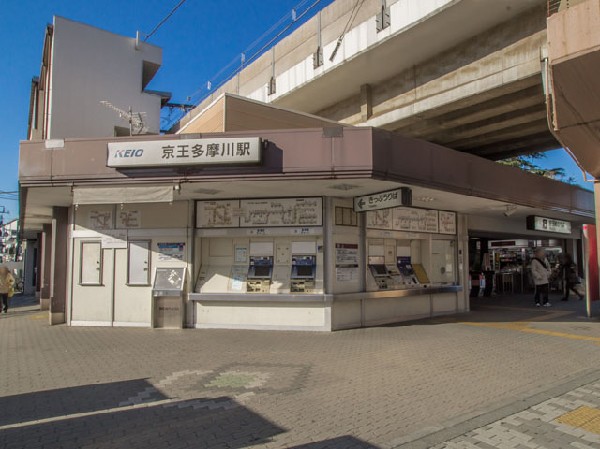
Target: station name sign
535, 223
196, 152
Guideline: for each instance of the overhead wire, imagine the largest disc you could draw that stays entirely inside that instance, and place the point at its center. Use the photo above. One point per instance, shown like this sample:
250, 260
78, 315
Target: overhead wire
353, 15
258, 52
167, 17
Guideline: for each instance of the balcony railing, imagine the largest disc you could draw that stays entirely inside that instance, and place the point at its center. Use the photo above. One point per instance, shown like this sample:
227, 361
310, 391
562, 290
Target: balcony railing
555, 6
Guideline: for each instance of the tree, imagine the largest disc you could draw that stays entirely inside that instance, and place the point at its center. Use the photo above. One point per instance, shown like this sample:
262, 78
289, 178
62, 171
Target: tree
528, 163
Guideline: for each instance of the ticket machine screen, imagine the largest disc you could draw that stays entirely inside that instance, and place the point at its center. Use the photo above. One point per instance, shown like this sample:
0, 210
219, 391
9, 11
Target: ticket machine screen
303, 274
259, 274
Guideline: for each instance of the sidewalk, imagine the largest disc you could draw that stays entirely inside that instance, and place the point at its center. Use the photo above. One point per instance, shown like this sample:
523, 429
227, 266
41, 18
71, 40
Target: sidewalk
465, 381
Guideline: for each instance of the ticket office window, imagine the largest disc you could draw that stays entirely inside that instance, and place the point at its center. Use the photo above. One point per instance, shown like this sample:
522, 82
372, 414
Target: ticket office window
138, 262
90, 272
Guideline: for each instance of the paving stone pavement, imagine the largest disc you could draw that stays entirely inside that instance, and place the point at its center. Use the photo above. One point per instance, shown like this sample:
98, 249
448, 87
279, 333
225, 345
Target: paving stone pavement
505, 375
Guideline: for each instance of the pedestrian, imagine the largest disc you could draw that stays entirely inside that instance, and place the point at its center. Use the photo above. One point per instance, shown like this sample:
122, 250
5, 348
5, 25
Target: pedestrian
568, 270
540, 271
6, 284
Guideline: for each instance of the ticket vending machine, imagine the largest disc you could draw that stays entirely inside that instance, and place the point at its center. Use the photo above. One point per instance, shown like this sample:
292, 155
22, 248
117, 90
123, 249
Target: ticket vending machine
259, 274
304, 269
407, 271
380, 278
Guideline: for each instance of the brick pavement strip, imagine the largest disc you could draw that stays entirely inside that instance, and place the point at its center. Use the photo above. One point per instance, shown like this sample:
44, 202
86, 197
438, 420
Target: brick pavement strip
423, 384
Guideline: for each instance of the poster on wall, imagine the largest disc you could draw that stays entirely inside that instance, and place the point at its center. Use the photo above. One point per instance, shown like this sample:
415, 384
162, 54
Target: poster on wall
346, 262
346, 254
129, 219
346, 274
415, 220
171, 251
281, 212
100, 219
447, 222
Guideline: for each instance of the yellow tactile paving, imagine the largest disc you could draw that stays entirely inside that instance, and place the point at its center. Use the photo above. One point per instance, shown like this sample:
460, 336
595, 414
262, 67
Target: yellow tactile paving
586, 418
523, 326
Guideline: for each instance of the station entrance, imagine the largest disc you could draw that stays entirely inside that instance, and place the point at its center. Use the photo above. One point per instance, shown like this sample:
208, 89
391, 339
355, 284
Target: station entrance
501, 264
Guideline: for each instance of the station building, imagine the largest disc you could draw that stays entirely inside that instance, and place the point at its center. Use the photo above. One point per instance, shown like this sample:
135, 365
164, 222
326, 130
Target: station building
257, 217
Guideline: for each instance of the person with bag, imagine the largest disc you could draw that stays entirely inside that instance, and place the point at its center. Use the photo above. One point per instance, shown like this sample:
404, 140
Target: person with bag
570, 276
7, 281
540, 272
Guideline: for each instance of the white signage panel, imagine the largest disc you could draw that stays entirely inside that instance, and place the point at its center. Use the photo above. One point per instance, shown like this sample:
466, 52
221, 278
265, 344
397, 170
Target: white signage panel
261, 214
380, 219
166, 153
383, 200
447, 222
545, 224
416, 220
281, 212
218, 214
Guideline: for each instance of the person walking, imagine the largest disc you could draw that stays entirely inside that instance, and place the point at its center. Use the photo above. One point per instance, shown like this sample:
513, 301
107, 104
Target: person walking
570, 276
6, 283
540, 271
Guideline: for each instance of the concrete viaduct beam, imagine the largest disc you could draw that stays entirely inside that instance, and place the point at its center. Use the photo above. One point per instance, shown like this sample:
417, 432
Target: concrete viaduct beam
486, 91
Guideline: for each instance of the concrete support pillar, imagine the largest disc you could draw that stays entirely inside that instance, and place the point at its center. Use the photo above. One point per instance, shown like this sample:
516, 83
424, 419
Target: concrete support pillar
58, 286
366, 102
30, 251
462, 248
38, 265
45, 265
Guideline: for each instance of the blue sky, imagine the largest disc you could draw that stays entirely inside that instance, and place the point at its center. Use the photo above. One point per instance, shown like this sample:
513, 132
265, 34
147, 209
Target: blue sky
202, 37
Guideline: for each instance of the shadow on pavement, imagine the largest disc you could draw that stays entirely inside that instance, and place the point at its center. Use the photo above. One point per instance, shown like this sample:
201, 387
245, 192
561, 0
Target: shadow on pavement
345, 442
199, 423
66, 401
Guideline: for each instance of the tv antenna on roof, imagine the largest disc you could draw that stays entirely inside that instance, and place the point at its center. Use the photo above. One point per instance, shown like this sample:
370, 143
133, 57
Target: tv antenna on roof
135, 119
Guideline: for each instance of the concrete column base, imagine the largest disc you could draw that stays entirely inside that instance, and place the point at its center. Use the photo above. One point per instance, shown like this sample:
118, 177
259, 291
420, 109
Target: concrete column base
56, 318
44, 303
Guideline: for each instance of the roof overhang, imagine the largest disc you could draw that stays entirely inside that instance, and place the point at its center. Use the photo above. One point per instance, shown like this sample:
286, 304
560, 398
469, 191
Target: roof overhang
333, 161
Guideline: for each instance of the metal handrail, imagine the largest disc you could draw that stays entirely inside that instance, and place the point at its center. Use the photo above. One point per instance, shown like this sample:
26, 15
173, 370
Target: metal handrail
555, 6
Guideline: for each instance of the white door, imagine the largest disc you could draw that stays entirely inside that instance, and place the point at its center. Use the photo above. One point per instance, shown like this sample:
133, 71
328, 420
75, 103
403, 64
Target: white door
133, 292
92, 283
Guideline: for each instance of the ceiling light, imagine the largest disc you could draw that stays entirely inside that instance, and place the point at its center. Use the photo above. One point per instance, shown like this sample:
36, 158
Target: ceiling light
207, 191
343, 186
425, 199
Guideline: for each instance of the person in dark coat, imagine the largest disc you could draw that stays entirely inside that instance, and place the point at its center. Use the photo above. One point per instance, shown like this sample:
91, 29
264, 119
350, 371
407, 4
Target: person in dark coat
570, 276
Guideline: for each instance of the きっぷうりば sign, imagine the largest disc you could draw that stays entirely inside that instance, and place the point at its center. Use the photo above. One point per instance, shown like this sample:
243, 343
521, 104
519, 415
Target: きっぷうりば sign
383, 200
166, 153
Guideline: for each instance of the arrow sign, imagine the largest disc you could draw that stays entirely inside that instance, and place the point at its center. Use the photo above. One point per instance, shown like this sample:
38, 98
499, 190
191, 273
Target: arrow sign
383, 200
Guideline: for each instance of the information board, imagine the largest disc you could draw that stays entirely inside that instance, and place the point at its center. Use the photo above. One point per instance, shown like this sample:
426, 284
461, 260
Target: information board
415, 220
100, 219
260, 213
380, 219
405, 219
217, 214
447, 222
129, 219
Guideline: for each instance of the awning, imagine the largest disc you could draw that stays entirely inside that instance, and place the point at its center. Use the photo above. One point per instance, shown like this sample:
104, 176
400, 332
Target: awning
122, 195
